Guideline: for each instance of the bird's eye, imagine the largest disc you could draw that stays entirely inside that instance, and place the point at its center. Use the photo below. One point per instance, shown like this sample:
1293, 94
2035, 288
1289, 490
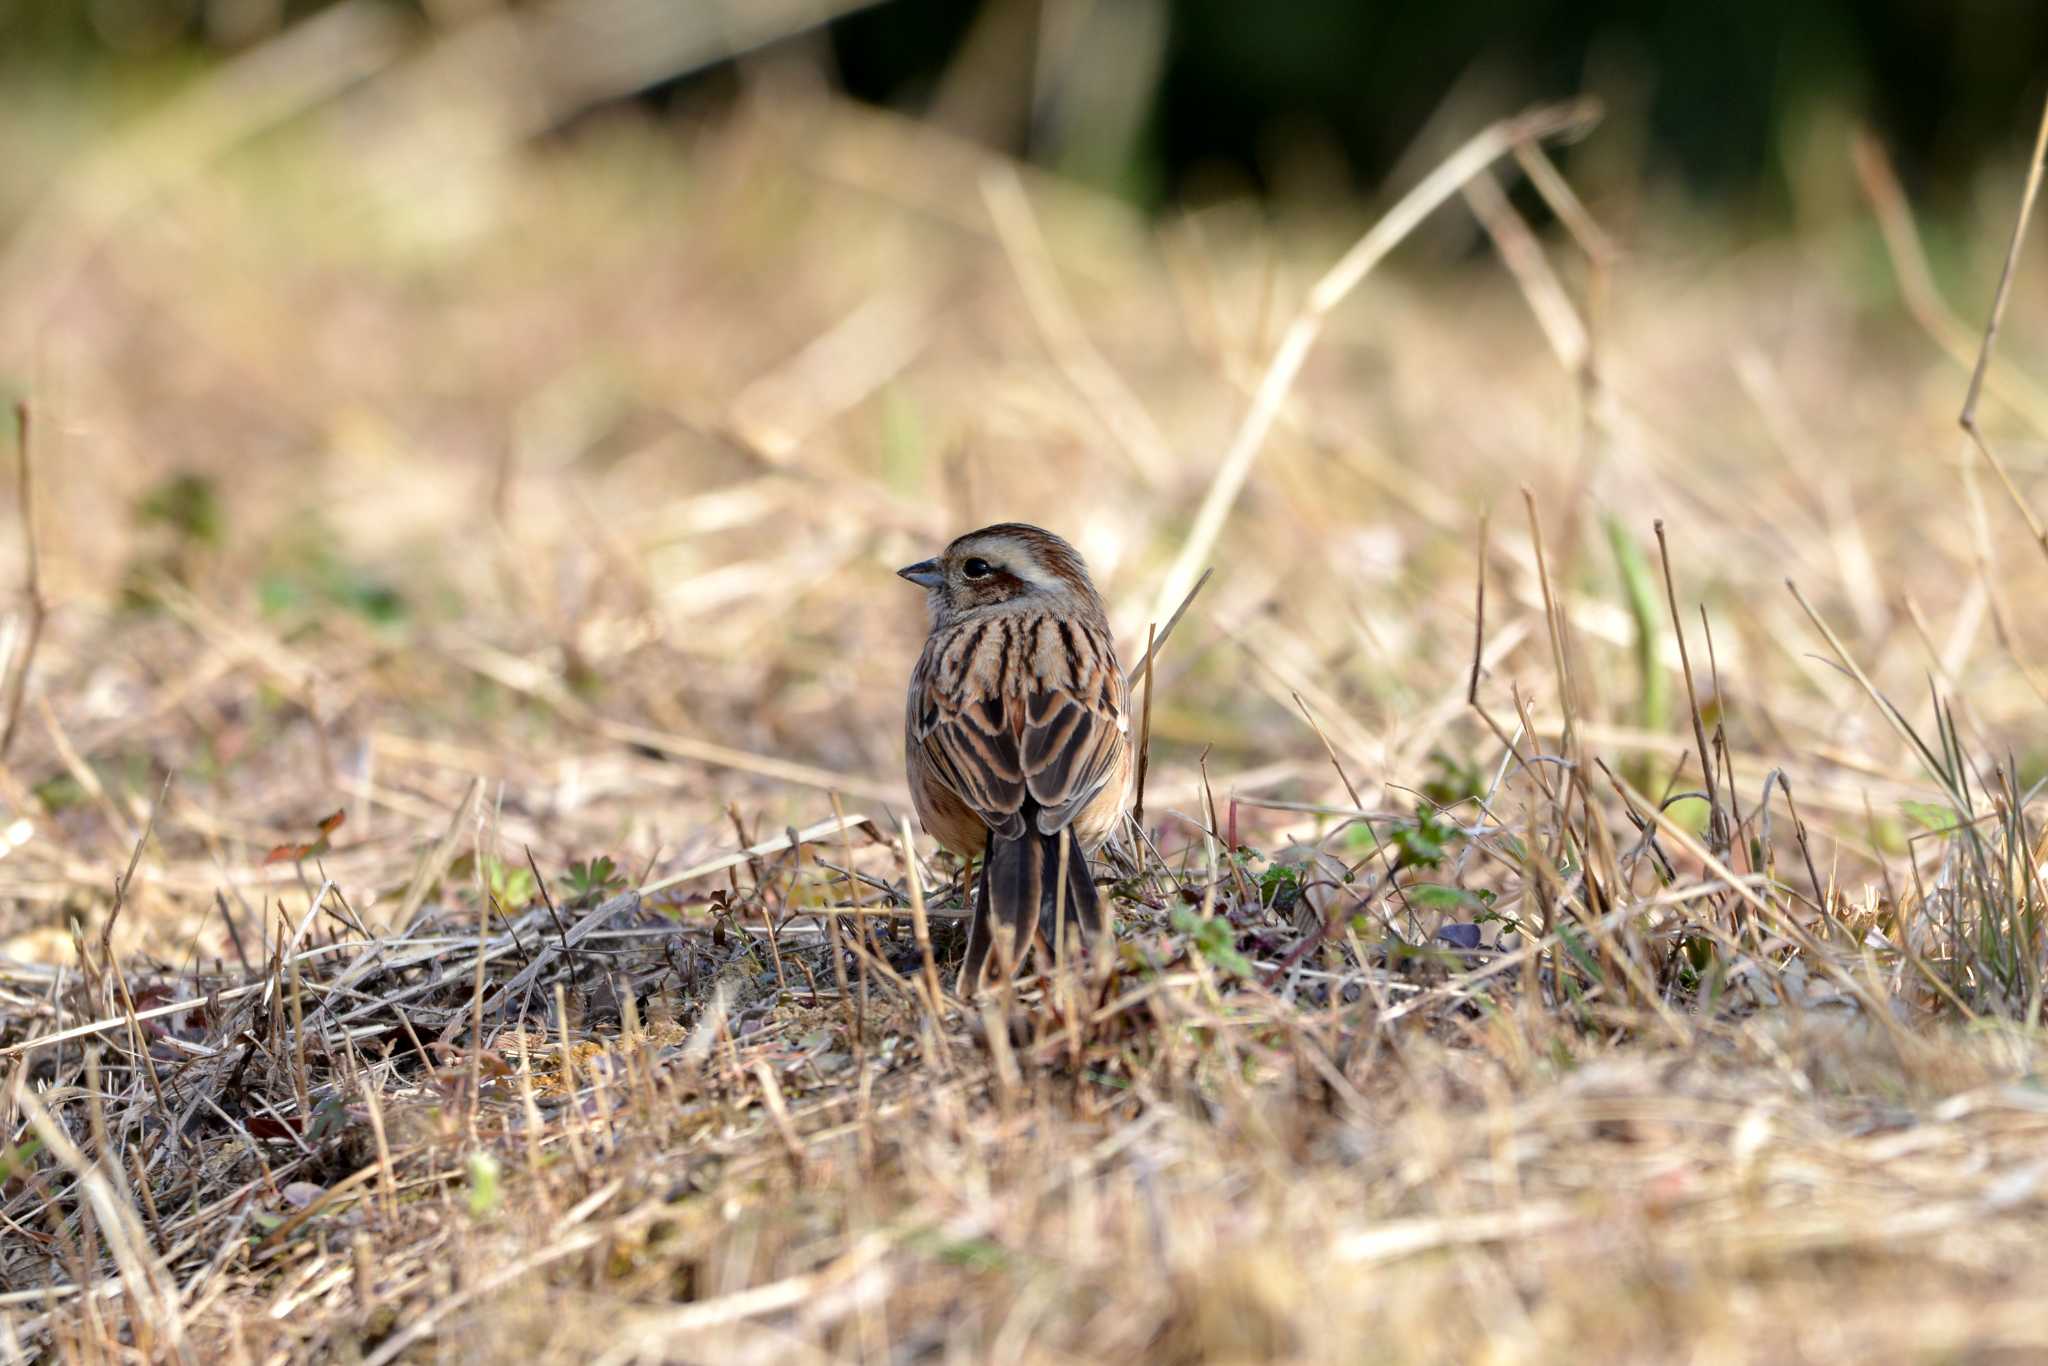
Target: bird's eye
977, 568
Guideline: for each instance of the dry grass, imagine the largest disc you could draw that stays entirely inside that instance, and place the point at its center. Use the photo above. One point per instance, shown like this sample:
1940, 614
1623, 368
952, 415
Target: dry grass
529, 501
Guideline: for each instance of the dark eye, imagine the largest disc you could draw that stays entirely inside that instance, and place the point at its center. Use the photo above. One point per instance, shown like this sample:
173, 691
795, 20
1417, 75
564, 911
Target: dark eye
977, 568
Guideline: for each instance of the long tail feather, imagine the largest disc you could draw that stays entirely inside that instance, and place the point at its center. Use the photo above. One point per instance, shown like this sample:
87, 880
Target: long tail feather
1081, 906
1020, 892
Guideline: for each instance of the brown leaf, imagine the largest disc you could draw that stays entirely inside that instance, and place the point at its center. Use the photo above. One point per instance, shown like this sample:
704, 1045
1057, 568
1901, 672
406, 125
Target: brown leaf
270, 1127
293, 853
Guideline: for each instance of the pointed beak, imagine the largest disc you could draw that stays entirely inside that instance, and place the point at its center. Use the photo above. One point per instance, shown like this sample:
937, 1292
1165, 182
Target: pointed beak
925, 573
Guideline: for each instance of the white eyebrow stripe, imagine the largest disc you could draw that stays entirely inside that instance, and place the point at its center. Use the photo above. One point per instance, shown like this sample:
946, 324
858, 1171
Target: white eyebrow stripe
1029, 570
1012, 558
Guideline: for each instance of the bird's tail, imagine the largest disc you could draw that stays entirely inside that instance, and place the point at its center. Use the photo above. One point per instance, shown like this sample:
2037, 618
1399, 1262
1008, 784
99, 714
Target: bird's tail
1021, 892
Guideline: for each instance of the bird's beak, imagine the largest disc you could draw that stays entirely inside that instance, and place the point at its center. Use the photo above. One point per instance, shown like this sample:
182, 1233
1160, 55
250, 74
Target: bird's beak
925, 573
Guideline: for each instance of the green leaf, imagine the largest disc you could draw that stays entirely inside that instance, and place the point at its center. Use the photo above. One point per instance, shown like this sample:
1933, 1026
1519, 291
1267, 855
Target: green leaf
1422, 844
1638, 584
1454, 781
1277, 877
512, 887
59, 793
1942, 820
593, 880
16, 1159
330, 1116
1213, 939
309, 577
1689, 813
483, 1184
974, 1254
186, 503
1576, 948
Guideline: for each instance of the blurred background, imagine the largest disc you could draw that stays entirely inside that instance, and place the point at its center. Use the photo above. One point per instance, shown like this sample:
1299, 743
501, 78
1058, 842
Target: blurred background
1166, 102
543, 392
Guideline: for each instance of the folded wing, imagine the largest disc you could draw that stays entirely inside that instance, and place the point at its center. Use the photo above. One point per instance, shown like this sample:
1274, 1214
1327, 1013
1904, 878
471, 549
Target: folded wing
1050, 750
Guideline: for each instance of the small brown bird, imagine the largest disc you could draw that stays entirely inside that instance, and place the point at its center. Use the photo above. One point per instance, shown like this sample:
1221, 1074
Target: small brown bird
1017, 736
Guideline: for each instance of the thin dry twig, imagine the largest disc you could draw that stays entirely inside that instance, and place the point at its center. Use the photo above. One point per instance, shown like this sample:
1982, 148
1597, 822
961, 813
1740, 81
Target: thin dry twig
1968, 417
1144, 729
146, 1281
23, 658
1572, 119
1084, 366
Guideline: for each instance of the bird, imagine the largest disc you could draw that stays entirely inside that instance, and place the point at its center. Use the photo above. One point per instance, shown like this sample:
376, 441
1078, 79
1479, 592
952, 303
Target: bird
1017, 733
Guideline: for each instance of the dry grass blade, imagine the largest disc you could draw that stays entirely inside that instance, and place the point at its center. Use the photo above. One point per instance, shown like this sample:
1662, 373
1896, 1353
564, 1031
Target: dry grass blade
1916, 283
2036, 164
1144, 678
147, 1284
434, 863
774, 845
1692, 697
935, 998
23, 656
1155, 641
1119, 410
1524, 257
1357, 802
724, 756
1566, 120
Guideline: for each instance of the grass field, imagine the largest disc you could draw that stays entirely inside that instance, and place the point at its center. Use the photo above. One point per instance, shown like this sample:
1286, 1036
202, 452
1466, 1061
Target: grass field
457, 903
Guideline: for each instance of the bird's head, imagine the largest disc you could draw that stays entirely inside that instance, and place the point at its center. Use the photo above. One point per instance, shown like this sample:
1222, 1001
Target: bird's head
1003, 565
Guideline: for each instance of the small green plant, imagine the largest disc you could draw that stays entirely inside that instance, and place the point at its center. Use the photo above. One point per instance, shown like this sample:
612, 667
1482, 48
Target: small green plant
59, 793
1455, 780
1934, 816
187, 505
1422, 845
1280, 886
483, 1185
16, 1159
1213, 939
1639, 590
311, 577
183, 523
510, 886
1440, 896
592, 880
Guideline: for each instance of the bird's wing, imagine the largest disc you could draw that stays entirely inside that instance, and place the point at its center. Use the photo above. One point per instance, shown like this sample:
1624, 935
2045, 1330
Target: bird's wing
997, 746
965, 729
1075, 732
